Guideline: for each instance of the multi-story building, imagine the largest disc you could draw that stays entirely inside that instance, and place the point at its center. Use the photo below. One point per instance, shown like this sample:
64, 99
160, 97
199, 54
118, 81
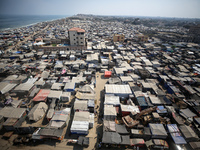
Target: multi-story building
77, 36
118, 38
142, 38
195, 33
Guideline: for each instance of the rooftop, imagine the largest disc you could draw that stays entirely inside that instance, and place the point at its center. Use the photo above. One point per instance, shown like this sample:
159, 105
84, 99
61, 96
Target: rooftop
77, 29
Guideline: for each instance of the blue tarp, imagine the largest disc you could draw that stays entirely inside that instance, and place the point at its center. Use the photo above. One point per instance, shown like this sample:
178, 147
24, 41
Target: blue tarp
179, 140
161, 109
175, 134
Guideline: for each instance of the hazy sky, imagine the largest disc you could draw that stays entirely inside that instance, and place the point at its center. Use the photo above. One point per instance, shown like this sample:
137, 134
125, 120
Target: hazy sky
162, 8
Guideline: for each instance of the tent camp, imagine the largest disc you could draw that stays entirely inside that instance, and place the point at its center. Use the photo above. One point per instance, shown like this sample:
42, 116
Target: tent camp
37, 112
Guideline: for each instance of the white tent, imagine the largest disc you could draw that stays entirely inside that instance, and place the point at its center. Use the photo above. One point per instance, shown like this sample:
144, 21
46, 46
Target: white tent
39, 43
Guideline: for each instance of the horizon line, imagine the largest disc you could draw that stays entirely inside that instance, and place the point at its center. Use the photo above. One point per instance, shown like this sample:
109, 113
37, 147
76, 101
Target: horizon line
100, 15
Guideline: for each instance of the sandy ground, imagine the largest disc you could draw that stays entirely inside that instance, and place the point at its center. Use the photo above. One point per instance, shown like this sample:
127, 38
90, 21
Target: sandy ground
51, 144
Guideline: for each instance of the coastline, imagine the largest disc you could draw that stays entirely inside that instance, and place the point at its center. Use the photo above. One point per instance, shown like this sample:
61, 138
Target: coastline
33, 24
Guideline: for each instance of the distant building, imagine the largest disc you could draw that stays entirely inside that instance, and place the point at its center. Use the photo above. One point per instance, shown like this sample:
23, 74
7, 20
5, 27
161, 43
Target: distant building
142, 38
195, 33
38, 40
118, 38
77, 36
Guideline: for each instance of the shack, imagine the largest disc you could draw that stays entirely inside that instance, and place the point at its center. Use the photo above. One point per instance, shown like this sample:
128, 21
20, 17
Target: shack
118, 90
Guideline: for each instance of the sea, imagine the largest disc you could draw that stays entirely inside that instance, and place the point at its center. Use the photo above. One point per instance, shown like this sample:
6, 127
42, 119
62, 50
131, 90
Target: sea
16, 21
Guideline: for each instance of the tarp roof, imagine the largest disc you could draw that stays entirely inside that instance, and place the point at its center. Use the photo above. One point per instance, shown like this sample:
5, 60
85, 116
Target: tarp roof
130, 108
79, 126
42, 95
157, 129
117, 89
55, 94
38, 111
10, 112
87, 89
80, 95
51, 132
6, 87
80, 105
187, 113
121, 129
109, 125
188, 132
81, 116
109, 110
24, 87
111, 138
56, 86
69, 86
111, 99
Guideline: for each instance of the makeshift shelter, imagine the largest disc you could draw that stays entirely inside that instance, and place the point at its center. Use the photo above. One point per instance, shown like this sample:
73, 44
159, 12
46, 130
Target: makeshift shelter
10, 112
137, 133
118, 90
69, 87
87, 89
85, 96
54, 94
52, 133
175, 134
127, 109
121, 129
111, 138
111, 99
195, 145
38, 111
56, 86
155, 100
187, 113
50, 114
65, 97
39, 83
137, 142
107, 74
80, 124
157, 143
6, 87
80, 105
125, 140
115, 80
83, 141
23, 87
45, 74
142, 103
109, 112
161, 110
109, 126
41, 96
60, 118
158, 131
10, 124
188, 133
126, 79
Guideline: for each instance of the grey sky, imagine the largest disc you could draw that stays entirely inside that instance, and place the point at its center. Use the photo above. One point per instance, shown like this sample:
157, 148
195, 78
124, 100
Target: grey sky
162, 8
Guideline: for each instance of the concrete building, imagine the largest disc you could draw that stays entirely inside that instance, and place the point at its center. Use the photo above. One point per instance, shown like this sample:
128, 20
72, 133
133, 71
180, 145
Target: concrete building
195, 32
77, 36
142, 38
118, 38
